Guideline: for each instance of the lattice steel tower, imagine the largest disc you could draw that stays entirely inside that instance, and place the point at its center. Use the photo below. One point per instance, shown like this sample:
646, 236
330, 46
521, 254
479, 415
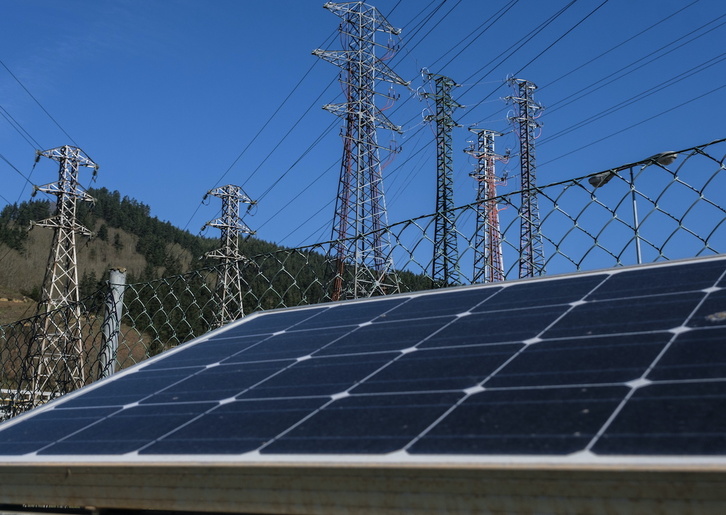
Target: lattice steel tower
229, 290
55, 361
531, 251
363, 264
488, 259
445, 268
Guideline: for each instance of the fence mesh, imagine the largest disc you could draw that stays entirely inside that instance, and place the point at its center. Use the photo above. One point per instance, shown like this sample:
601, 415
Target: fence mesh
656, 209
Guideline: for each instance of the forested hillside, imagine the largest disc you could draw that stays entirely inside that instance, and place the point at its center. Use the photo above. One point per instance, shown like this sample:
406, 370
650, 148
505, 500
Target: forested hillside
127, 236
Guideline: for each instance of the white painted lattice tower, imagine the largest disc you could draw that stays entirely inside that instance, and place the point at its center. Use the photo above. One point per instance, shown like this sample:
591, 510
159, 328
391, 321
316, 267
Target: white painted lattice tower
361, 249
229, 290
55, 362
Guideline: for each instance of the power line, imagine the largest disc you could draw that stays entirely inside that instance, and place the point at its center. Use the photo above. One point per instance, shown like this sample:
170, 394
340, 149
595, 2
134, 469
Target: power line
582, 20
15, 204
489, 23
19, 128
516, 47
27, 179
417, 28
327, 130
650, 118
615, 47
320, 210
305, 153
39, 104
427, 22
640, 96
513, 49
556, 105
290, 130
300, 193
259, 132
613, 77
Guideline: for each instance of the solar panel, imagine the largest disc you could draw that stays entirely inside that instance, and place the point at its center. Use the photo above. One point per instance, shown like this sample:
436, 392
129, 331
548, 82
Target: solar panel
604, 367
554, 394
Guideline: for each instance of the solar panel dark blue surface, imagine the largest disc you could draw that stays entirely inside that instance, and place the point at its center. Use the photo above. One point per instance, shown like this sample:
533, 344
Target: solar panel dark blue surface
623, 362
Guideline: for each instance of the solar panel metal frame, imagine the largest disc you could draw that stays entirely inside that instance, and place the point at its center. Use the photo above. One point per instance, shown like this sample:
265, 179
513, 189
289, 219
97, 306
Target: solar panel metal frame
394, 482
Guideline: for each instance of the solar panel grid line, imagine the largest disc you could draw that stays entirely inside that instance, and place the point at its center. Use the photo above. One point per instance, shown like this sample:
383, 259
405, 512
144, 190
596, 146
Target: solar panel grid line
478, 388
557, 367
608, 422
201, 415
93, 386
344, 394
411, 349
225, 401
116, 377
642, 381
684, 328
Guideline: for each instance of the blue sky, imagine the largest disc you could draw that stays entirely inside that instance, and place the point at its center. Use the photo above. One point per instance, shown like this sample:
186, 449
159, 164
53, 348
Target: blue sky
172, 98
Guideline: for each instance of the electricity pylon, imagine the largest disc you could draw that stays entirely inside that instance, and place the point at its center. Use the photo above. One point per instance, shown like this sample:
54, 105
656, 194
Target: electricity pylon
488, 259
229, 292
361, 248
55, 362
531, 249
445, 268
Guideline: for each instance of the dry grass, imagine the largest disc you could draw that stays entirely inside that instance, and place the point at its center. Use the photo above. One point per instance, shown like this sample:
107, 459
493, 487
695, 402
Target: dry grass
21, 272
13, 309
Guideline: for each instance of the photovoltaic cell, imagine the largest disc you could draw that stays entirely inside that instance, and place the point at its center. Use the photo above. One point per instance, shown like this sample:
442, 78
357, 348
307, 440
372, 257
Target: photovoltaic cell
598, 360
619, 316
389, 336
685, 357
452, 369
497, 326
371, 424
237, 427
523, 421
444, 304
627, 362
670, 418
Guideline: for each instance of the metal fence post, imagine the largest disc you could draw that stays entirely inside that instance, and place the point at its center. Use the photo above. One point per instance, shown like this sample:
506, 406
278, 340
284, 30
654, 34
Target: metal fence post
112, 322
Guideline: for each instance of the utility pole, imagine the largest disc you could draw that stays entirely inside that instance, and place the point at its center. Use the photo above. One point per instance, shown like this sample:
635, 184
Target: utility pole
488, 260
361, 249
531, 248
55, 361
229, 292
445, 269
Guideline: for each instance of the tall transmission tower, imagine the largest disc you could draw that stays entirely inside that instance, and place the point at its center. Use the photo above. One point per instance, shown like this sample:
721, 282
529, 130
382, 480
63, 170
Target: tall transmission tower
229, 292
488, 259
362, 251
55, 361
445, 268
531, 251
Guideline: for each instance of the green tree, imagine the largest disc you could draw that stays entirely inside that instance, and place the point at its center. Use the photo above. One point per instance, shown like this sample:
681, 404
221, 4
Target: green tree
103, 232
117, 243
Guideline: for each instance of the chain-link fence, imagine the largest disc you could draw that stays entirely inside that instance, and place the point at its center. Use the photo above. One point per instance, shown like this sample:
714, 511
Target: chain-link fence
665, 207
